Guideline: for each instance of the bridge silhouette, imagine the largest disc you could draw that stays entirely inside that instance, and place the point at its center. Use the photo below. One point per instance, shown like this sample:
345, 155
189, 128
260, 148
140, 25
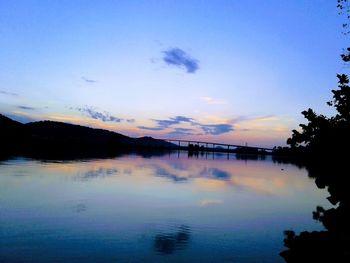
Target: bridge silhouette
215, 146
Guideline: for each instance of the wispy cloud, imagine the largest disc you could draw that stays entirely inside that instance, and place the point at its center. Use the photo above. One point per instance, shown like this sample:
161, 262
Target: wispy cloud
263, 123
212, 101
166, 123
216, 129
173, 121
150, 128
265, 118
182, 131
212, 129
239, 119
215, 126
91, 81
269, 117
179, 58
103, 116
9, 93
25, 107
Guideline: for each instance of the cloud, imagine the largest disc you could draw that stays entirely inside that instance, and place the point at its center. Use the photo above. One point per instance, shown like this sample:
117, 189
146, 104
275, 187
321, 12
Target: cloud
105, 117
265, 118
240, 119
25, 107
254, 118
9, 93
164, 124
150, 128
179, 58
91, 81
173, 121
212, 101
181, 131
212, 129
174, 132
216, 129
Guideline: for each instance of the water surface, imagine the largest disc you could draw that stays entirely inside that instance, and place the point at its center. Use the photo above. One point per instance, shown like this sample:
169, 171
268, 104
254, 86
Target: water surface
170, 208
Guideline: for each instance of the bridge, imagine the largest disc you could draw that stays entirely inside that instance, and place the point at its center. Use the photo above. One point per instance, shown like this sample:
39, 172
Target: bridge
215, 146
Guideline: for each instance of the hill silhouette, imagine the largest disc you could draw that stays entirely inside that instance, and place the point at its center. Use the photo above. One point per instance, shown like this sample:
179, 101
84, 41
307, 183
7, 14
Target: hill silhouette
8, 124
59, 139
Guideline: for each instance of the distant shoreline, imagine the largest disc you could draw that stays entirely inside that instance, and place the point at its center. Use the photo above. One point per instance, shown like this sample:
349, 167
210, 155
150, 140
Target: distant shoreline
60, 140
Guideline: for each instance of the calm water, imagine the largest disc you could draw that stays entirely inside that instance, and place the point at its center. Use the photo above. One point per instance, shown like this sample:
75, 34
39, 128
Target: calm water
168, 208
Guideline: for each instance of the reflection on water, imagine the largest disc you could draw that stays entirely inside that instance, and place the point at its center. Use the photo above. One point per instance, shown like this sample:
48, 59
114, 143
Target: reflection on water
171, 208
168, 243
81, 207
333, 243
100, 172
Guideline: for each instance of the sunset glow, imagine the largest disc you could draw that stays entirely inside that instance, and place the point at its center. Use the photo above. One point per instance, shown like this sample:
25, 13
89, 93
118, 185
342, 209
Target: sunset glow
221, 71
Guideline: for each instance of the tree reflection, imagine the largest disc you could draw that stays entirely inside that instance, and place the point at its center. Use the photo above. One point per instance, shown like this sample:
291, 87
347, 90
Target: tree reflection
333, 244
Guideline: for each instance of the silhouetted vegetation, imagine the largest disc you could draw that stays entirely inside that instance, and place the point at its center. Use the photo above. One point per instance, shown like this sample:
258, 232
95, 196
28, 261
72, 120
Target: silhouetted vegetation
323, 135
322, 146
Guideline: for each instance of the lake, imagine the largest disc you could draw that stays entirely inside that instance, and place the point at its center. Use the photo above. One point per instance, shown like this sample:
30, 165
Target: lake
166, 208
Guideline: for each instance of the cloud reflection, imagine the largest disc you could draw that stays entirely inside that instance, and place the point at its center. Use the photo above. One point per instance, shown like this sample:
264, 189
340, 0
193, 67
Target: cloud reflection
161, 172
215, 173
208, 202
168, 243
99, 173
79, 208
177, 172
261, 176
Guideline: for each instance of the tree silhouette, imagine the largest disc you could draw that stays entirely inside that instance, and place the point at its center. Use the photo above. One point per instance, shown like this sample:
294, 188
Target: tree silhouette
328, 134
325, 141
323, 134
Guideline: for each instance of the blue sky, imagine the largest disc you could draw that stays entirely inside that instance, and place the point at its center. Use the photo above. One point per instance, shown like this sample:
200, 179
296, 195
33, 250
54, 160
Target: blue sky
226, 71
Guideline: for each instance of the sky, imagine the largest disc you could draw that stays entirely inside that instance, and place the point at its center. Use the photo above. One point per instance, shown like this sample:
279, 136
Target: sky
235, 72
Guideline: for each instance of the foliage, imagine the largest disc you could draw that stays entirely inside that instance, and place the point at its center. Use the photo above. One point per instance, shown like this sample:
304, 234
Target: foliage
326, 141
324, 134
